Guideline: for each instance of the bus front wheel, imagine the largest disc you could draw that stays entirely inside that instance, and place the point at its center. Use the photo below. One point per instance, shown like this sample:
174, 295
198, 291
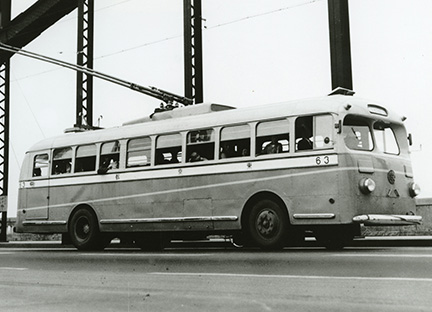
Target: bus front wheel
84, 231
268, 225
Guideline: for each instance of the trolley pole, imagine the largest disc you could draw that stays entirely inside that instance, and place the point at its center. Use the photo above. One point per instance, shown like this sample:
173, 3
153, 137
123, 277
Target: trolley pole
340, 50
5, 14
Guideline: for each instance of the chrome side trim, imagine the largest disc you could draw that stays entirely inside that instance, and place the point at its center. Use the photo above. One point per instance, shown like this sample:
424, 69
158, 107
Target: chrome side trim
376, 219
44, 222
168, 220
314, 216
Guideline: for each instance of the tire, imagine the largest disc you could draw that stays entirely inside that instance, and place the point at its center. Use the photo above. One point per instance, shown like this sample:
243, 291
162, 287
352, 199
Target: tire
268, 225
84, 231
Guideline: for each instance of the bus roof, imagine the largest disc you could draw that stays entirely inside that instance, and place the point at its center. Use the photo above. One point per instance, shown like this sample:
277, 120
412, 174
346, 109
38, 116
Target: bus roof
208, 115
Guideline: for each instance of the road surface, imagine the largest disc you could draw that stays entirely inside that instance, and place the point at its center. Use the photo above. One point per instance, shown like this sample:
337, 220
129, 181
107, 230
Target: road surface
217, 279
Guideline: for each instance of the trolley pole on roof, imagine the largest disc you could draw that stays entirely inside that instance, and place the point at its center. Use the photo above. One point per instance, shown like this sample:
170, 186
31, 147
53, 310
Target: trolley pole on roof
193, 66
84, 98
5, 15
340, 50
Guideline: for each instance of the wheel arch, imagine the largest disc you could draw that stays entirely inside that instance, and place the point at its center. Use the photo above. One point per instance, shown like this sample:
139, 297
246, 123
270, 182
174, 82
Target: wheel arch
83, 206
256, 198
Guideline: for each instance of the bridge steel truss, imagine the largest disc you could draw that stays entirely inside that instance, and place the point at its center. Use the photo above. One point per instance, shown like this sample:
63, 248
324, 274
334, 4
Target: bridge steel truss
85, 46
193, 65
5, 15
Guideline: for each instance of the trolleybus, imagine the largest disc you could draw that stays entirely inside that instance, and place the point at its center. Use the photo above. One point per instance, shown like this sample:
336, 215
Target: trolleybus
262, 175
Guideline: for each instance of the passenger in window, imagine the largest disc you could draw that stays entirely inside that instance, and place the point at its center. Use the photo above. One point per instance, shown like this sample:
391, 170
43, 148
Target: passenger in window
202, 137
194, 157
304, 144
62, 167
114, 164
245, 152
273, 147
225, 151
37, 172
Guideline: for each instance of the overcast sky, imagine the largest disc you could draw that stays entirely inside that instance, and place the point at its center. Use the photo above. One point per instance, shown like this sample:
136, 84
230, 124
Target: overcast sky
255, 52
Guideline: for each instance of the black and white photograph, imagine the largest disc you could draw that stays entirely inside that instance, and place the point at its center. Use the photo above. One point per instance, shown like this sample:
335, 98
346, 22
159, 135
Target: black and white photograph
215, 155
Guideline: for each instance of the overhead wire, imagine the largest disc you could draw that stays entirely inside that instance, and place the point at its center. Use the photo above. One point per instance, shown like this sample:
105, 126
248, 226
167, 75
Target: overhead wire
28, 105
150, 43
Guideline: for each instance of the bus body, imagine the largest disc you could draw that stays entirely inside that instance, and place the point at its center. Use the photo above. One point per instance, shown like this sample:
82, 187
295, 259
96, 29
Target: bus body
263, 174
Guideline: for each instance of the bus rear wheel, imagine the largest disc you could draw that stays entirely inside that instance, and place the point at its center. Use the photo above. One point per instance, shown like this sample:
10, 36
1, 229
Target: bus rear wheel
268, 225
84, 231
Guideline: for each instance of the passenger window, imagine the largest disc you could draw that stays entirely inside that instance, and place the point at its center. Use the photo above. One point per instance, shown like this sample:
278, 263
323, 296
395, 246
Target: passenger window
40, 165
200, 145
235, 141
357, 134
314, 132
272, 137
303, 133
139, 152
85, 158
386, 139
110, 155
168, 149
62, 160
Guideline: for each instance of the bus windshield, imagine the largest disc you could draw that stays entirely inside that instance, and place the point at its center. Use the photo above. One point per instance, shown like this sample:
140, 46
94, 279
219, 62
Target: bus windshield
359, 135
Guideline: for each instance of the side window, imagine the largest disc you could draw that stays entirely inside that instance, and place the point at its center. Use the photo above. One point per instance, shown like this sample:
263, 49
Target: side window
168, 149
40, 165
139, 152
386, 139
314, 132
110, 155
200, 145
235, 141
272, 137
62, 160
85, 158
323, 136
357, 134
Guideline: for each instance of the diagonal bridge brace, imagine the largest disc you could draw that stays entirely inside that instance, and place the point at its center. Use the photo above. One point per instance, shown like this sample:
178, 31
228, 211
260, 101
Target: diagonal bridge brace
31, 23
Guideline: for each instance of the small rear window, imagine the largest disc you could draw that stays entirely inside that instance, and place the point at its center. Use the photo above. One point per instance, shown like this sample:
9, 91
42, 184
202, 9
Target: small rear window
377, 110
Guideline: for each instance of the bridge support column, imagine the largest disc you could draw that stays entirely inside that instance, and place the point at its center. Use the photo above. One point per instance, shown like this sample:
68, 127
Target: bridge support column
5, 14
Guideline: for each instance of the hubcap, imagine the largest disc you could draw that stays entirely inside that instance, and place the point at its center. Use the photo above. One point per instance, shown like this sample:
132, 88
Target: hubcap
267, 223
83, 228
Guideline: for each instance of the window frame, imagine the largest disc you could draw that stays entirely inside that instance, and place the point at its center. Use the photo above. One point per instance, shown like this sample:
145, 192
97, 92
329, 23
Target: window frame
84, 159
47, 167
244, 143
67, 161
262, 140
146, 149
163, 151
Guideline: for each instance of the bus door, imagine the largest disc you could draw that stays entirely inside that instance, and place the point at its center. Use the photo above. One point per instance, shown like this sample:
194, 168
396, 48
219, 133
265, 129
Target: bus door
37, 189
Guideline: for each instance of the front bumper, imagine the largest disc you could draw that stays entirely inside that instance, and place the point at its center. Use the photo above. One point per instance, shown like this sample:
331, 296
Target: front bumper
377, 219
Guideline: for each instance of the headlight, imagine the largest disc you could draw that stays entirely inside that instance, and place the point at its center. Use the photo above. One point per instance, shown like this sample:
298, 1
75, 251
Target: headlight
367, 185
414, 189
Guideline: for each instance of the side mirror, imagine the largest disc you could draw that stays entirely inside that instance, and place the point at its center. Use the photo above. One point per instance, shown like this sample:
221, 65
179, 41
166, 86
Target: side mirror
410, 140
